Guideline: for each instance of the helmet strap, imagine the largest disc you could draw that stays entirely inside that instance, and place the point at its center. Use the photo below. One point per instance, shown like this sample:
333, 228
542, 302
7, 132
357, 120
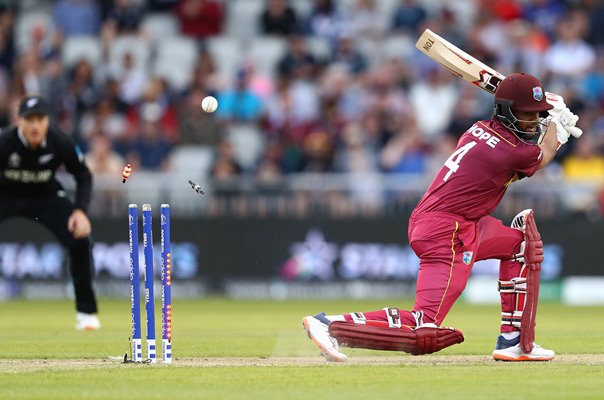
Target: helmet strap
503, 111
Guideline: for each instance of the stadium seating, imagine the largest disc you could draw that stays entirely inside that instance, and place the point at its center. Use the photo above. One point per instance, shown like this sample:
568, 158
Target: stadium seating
248, 144
242, 18
76, 48
129, 44
226, 52
160, 26
265, 52
175, 59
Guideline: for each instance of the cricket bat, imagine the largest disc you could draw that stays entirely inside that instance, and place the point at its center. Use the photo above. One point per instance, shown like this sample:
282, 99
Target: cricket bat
458, 61
471, 70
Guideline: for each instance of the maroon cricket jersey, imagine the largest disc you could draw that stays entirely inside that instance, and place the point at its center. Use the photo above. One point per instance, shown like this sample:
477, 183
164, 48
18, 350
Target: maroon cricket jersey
475, 177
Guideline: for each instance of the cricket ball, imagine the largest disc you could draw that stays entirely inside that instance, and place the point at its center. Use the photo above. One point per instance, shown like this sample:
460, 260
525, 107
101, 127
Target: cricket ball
209, 104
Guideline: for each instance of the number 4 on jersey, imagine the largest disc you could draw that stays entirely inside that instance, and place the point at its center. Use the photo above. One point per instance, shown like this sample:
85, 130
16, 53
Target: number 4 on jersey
453, 162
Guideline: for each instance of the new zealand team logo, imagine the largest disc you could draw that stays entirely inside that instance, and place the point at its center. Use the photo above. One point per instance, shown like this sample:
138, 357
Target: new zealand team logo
538, 93
467, 257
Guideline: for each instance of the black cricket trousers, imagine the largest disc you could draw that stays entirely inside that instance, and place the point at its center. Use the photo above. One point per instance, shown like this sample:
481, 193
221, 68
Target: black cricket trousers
53, 211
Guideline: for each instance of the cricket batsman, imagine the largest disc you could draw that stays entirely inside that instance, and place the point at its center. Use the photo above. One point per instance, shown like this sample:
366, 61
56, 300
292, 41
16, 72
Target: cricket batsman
450, 229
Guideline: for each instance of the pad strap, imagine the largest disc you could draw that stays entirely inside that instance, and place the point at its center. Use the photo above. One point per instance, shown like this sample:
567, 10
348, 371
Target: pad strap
515, 285
514, 318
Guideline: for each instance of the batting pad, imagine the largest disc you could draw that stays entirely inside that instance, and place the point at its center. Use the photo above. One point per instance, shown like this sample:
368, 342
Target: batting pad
416, 341
533, 256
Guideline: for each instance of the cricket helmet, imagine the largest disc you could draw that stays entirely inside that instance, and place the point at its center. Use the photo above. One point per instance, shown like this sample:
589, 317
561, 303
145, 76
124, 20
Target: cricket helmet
520, 92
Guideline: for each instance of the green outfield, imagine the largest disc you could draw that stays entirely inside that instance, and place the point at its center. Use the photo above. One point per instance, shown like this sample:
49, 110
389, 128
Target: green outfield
227, 349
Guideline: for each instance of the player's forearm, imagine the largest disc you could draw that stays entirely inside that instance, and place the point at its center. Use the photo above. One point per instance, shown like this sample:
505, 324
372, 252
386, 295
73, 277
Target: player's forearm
549, 145
83, 192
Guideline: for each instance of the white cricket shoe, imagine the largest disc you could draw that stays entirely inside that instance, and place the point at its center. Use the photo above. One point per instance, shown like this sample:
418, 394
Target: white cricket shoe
87, 322
510, 350
316, 327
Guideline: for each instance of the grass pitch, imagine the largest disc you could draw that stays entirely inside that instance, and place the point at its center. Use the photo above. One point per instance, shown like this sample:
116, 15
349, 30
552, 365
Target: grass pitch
227, 349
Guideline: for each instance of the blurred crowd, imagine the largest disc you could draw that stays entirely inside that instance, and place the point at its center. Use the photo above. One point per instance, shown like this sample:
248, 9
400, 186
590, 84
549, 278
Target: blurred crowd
302, 85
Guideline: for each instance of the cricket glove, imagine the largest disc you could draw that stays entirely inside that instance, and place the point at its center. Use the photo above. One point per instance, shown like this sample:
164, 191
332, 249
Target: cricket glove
562, 114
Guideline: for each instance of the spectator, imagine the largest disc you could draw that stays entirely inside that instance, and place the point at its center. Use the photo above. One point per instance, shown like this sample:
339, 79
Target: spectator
339, 90
584, 164
100, 157
503, 10
583, 168
53, 83
77, 17
6, 106
356, 152
150, 149
388, 102
298, 62
525, 49
197, 127
358, 157
104, 120
472, 105
366, 21
28, 71
156, 96
40, 38
200, 18
111, 91
81, 95
326, 21
162, 5
569, 58
105, 165
488, 36
124, 18
346, 54
225, 165
318, 152
7, 45
595, 11
592, 86
292, 111
269, 181
408, 17
131, 78
545, 15
433, 102
204, 74
239, 104
405, 153
278, 18
378, 129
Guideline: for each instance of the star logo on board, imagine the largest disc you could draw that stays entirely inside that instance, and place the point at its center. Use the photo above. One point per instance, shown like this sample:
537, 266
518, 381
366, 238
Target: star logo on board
313, 258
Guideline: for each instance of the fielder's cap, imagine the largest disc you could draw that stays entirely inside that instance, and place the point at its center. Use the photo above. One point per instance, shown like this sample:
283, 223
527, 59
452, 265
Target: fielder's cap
33, 105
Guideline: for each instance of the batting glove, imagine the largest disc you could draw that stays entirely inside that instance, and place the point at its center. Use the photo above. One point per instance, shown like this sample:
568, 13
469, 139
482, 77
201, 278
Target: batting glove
561, 133
557, 102
564, 116
569, 121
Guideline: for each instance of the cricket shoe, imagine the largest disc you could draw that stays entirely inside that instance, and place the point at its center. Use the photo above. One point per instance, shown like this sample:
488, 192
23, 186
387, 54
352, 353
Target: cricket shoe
510, 350
87, 322
316, 327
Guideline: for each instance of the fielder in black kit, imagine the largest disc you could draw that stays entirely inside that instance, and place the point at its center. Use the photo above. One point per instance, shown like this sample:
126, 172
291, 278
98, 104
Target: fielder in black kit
30, 154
